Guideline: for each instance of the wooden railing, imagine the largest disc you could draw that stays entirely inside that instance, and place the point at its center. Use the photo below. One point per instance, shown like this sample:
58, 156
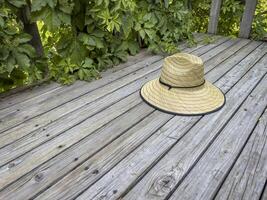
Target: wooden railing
246, 22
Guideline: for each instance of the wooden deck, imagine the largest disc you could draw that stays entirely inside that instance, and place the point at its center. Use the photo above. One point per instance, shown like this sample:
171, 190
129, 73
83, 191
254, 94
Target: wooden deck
99, 140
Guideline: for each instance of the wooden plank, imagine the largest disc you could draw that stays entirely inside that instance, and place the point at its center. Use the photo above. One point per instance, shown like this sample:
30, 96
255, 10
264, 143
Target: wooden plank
207, 175
21, 165
30, 157
178, 160
247, 178
7, 101
129, 171
214, 16
209, 47
36, 125
218, 49
247, 18
238, 54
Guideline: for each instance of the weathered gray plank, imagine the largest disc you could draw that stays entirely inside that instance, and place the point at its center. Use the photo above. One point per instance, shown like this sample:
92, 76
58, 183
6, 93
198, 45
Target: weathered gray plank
249, 174
238, 56
46, 155
247, 18
66, 139
166, 174
209, 47
206, 177
138, 162
7, 101
214, 16
218, 49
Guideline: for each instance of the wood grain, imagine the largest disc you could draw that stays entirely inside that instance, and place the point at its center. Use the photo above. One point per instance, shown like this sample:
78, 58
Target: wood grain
247, 178
247, 18
206, 177
214, 16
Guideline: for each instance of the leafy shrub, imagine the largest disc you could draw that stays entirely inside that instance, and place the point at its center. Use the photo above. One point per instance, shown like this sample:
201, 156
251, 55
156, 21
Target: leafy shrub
18, 63
84, 37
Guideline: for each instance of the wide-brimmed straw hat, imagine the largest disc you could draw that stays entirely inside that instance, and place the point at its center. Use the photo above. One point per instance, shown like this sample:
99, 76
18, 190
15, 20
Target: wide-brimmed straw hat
181, 88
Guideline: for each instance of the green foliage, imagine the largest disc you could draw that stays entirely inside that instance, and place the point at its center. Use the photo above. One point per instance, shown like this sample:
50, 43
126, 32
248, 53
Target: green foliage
259, 26
83, 37
17, 58
106, 32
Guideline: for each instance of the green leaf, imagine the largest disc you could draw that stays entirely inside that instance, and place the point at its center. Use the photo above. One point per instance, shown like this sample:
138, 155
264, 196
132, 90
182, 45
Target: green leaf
17, 3
21, 59
24, 37
142, 33
3, 53
133, 48
65, 18
2, 22
127, 25
49, 16
77, 52
28, 49
37, 5
88, 63
66, 6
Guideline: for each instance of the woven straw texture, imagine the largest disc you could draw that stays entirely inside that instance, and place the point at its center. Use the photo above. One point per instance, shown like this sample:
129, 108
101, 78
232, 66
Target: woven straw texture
188, 95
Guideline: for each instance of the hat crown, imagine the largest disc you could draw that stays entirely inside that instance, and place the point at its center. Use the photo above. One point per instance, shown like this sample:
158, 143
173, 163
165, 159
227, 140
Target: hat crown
182, 70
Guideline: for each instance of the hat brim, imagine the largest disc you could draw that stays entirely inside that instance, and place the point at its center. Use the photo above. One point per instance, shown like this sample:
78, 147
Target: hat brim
183, 101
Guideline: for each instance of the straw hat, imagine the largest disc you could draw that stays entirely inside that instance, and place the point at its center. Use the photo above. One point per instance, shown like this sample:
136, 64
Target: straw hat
182, 89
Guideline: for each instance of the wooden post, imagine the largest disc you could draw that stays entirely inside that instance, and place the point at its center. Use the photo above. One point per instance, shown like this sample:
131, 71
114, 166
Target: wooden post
32, 29
247, 18
214, 16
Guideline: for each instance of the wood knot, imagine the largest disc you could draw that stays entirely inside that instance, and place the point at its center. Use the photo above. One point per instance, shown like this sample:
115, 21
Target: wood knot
163, 185
10, 165
115, 191
38, 177
95, 171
